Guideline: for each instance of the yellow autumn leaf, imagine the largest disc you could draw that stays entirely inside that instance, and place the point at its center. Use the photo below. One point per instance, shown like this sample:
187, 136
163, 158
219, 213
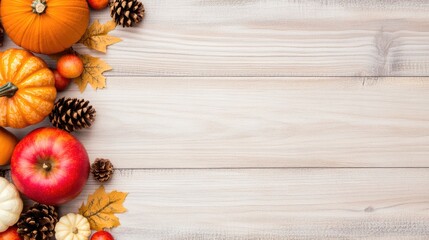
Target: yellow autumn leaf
96, 36
101, 207
93, 69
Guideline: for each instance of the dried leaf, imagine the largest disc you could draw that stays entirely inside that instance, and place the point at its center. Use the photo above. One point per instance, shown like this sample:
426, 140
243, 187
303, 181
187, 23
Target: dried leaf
101, 207
93, 69
96, 36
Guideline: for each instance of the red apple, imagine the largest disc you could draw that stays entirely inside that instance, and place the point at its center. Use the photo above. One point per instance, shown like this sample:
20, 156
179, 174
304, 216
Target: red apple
98, 4
61, 82
70, 66
10, 234
102, 235
50, 166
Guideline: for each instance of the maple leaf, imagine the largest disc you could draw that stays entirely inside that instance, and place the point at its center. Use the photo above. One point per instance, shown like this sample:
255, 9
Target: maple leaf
93, 69
101, 207
96, 36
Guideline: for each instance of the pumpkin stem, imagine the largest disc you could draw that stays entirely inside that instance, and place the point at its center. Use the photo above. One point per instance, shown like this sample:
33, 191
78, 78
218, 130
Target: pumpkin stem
39, 6
75, 230
8, 90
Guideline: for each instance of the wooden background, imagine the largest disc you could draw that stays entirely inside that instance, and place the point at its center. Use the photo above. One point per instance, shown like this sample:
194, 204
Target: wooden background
267, 119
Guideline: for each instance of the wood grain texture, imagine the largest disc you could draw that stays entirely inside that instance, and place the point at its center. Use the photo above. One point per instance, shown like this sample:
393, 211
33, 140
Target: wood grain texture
260, 122
308, 100
271, 204
274, 38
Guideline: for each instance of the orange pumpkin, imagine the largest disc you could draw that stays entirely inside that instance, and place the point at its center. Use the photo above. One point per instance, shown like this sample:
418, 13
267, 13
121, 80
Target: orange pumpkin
8, 142
45, 26
27, 89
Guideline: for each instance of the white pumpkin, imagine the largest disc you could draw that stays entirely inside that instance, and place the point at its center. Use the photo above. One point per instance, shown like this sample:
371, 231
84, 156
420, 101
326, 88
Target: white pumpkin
72, 227
10, 204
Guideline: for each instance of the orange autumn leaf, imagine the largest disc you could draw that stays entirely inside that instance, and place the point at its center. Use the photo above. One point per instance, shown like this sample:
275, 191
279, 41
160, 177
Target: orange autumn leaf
93, 69
101, 207
96, 36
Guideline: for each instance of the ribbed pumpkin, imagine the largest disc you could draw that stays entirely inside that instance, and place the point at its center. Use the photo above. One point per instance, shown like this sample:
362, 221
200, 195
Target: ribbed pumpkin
10, 204
45, 26
27, 89
8, 142
72, 227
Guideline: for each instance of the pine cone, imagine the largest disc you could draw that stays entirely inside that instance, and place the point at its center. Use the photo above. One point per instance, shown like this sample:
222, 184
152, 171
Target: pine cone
102, 169
38, 223
126, 12
72, 114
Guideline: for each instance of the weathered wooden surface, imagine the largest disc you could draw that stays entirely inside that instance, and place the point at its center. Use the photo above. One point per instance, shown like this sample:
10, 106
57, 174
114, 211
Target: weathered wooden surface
204, 90
275, 38
271, 203
260, 122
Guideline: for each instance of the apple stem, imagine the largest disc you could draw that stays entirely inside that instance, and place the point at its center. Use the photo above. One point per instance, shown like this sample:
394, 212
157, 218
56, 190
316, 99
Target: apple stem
8, 90
46, 166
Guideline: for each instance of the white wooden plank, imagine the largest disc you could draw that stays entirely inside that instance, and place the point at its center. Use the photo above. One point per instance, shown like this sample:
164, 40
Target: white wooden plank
274, 38
259, 122
271, 204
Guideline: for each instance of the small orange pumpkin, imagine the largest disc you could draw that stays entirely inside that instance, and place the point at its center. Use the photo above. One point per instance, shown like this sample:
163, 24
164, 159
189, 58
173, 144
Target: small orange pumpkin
45, 26
27, 89
8, 142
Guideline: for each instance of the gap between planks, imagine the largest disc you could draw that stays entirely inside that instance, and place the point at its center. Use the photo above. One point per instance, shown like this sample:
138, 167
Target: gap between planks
272, 38
269, 38
259, 122
270, 204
